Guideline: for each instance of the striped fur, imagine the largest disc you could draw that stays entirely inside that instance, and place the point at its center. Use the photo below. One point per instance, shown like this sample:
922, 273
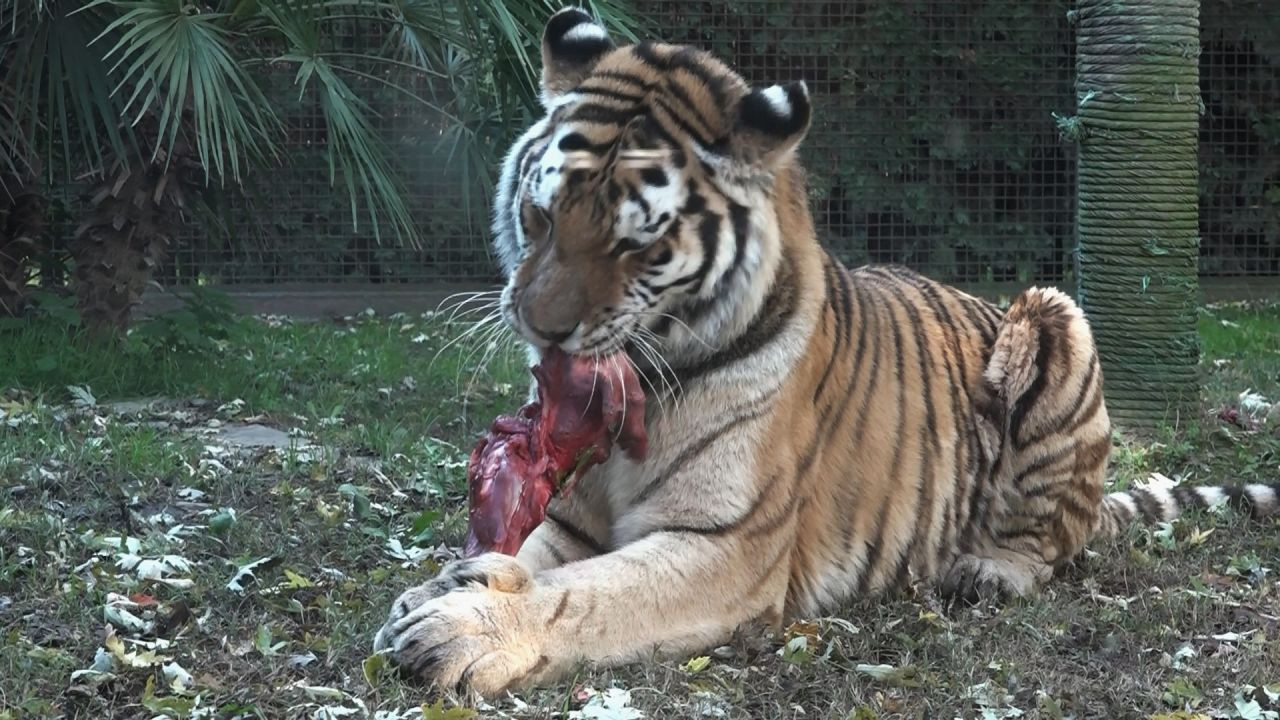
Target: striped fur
815, 432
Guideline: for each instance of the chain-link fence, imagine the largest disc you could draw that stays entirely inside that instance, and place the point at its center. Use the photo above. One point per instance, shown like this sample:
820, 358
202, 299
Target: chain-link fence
934, 145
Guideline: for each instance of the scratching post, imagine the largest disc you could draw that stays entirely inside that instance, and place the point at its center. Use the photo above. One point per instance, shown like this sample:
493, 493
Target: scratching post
1138, 96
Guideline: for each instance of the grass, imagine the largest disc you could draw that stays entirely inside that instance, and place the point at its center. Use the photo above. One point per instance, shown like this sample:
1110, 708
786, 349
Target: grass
122, 528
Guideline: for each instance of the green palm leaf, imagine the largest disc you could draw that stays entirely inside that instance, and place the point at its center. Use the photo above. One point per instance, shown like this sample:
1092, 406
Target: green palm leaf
55, 91
181, 66
354, 150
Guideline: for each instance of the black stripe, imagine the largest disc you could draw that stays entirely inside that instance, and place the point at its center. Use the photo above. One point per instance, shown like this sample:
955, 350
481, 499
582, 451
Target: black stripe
928, 433
1086, 412
1024, 403
633, 195
524, 159
696, 308
1237, 498
966, 476
700, 446
709, 238
773, 523
1043, 462
740, 220
775, 314
721, 528
653, 176
874, 548
830, 426
577, 533
826, 427
1067, 502
978, 502
1147, 504
601, 114
623, 77
695, 133
904, 563
865, 306
979, 314
961, 400
673, 88
1035, 521
1056, 424
892, 475
695, 202
560, 607
1043, 489
832, 305
1119, 509
555, 551
577, 142
769, 568
618, 95
846, 292
1187, 497
644, 52
693, 60
1005, 535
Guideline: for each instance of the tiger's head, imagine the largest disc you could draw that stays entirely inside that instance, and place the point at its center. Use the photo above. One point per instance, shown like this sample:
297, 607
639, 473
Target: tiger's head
643, 202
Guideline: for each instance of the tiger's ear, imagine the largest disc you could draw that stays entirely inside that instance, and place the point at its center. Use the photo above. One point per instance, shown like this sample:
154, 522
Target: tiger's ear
771, 122
571, 45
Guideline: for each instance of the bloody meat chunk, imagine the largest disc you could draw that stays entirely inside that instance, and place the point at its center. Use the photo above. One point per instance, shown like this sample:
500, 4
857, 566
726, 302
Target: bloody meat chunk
584, 406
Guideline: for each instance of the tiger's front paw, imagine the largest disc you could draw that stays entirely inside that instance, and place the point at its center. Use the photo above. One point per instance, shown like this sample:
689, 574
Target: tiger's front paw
471, 626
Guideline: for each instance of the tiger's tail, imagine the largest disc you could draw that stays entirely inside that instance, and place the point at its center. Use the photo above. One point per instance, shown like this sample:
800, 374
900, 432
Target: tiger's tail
1154, 504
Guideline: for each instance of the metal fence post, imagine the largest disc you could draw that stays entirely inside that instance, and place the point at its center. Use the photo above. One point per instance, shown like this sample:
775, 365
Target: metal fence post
1138, 101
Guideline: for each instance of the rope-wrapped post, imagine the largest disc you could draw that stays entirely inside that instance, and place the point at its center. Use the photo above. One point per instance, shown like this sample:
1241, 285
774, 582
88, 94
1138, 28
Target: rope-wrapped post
1138, 95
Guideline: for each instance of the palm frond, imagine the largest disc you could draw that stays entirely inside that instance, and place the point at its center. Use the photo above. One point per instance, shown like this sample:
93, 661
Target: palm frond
181, 66
55, 90
354, 150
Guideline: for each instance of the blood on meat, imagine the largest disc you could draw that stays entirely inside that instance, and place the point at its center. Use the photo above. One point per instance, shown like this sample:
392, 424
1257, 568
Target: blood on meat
585, 405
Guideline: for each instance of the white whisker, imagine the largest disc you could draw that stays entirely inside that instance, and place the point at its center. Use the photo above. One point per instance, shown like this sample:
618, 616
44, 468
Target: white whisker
642, 346
623, 421
650, 337
489, 319
595, 377
492, 341
458, 301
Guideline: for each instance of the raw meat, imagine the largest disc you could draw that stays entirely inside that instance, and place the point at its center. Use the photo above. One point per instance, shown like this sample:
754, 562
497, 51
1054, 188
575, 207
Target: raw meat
584, 406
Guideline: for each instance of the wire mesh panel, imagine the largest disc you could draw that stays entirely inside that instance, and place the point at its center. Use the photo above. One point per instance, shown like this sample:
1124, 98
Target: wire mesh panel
934, 145
1240, 138
295, 223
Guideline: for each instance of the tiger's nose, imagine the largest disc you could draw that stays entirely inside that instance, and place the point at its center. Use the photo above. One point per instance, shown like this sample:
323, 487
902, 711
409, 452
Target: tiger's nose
552, 337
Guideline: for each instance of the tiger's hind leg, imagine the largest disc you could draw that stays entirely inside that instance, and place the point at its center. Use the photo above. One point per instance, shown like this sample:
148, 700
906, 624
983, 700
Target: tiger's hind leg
1045, 489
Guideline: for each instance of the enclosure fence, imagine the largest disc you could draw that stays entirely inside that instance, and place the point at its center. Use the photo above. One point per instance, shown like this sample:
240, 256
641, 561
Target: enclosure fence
935, 144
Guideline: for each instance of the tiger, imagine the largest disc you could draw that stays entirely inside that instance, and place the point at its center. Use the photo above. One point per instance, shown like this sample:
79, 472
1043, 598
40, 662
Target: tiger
816, 433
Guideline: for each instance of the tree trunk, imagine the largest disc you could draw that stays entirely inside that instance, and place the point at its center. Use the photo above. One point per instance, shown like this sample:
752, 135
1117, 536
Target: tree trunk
1138, 89
21, 225
134, 213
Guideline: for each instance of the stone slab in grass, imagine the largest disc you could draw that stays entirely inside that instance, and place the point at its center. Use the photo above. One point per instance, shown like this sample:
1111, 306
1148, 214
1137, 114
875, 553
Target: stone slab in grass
135, 407
254, 435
